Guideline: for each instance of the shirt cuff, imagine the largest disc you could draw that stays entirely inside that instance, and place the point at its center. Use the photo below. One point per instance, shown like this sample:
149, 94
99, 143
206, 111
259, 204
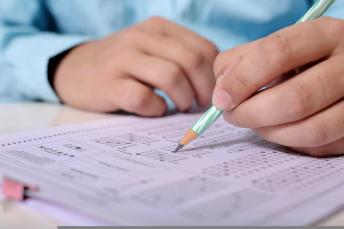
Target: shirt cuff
32, 55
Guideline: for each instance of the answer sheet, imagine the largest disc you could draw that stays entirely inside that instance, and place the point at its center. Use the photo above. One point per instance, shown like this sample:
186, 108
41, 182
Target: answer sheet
122, 171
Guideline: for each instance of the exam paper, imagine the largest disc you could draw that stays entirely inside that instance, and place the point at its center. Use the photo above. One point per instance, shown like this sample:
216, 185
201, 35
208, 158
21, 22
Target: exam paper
123, 172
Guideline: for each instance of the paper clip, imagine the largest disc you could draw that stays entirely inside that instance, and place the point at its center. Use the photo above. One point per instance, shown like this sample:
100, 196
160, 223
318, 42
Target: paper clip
16, 190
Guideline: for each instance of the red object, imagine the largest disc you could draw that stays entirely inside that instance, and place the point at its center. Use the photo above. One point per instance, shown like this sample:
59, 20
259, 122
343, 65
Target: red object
16, 190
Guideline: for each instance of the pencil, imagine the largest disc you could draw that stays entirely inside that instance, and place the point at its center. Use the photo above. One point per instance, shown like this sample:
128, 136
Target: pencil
201, 125
209, 117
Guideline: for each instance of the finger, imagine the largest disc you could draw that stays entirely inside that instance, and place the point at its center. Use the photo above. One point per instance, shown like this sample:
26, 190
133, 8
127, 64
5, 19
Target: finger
318, 130
135, 97
298, 98
163, 75
226, 61
272, 57
333, 149
188, 37
198, 71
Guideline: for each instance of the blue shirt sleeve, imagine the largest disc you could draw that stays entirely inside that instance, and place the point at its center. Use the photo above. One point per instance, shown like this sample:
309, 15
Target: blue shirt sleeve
26, 45
336, 10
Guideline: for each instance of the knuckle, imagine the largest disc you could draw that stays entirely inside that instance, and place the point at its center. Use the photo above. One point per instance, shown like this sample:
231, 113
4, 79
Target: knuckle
131, 35
276, 50
331, 24
317, 135
173, 76
211, 50
193, 60
339, 29
335, 27
226, 62
139, 100
240, 81
324, 21
219, 63
296, 102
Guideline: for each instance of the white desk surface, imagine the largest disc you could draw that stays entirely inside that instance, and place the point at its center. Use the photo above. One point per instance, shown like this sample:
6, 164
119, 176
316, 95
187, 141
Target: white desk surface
28, 116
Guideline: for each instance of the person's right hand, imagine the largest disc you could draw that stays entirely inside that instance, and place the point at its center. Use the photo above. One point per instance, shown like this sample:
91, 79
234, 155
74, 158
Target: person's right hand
121, 71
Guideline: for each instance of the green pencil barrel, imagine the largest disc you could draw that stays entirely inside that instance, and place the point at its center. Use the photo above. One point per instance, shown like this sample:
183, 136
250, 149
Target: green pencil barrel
207, 119
318, 9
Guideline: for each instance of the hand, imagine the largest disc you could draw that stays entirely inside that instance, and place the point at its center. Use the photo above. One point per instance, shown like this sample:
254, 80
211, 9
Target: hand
120, 72
305, 112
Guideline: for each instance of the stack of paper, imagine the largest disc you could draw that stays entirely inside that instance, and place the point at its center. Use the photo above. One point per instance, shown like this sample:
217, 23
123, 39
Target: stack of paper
123, 171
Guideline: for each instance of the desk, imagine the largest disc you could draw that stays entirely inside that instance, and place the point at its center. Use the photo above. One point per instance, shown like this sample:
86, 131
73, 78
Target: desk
28, 116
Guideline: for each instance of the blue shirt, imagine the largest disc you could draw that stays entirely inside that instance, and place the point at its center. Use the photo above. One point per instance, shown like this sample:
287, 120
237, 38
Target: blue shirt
33, 31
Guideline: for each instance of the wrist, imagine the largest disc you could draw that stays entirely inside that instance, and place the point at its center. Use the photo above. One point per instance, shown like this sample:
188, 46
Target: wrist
53, 65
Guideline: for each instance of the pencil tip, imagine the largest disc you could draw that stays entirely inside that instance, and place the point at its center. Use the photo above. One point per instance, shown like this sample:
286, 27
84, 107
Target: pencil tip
179, 147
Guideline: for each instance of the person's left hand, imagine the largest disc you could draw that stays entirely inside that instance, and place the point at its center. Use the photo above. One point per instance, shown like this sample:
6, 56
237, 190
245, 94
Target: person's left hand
305, 112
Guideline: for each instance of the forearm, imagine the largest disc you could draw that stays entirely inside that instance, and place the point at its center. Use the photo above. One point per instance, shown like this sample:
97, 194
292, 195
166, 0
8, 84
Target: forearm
26, 60
27, 43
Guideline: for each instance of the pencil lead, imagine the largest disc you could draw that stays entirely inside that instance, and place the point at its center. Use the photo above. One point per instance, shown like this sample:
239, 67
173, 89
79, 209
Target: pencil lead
179, 147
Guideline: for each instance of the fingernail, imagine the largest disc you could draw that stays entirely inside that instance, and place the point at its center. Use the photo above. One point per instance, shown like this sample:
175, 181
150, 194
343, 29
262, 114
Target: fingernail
222, 100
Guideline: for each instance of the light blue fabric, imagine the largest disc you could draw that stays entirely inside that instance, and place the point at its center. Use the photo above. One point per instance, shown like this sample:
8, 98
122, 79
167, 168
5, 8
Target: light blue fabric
33, 31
